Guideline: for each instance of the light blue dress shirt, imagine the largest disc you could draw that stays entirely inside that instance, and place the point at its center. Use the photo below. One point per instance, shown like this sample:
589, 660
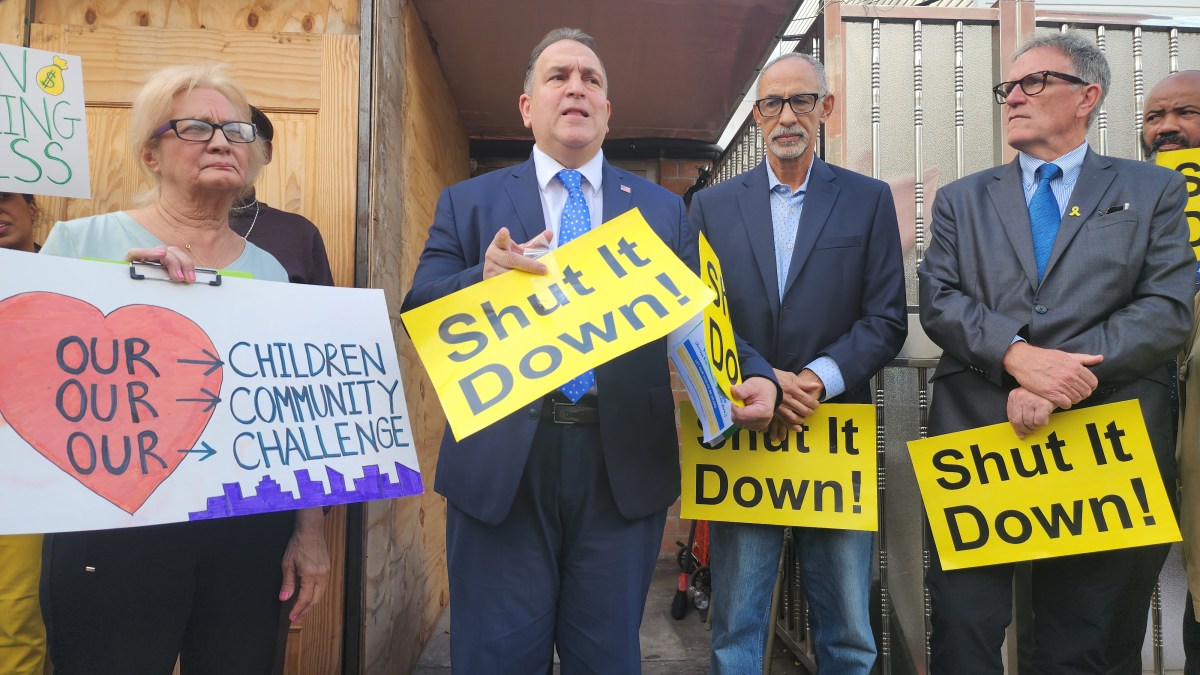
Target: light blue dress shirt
786, 207
1070, 163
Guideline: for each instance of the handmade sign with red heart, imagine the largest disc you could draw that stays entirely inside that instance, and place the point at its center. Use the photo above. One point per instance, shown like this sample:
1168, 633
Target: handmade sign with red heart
114, 401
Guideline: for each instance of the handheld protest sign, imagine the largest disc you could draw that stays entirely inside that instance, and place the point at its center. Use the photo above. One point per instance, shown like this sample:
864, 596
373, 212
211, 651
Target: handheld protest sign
722, 349
821, 477
1187, 162
44, 125
1086, 482
493, 347
131, 403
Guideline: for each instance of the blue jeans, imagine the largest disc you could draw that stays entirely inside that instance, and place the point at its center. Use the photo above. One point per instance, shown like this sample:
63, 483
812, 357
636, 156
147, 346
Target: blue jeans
836, 569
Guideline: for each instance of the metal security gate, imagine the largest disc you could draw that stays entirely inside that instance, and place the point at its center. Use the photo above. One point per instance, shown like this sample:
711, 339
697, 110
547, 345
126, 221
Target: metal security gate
915, 109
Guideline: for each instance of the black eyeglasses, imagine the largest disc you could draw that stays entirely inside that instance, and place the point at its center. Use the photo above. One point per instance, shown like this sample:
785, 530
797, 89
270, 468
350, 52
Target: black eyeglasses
201, 131
1032, 84
772, 106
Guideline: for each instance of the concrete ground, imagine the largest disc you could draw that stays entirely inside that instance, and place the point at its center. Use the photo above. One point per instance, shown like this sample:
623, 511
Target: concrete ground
669, 647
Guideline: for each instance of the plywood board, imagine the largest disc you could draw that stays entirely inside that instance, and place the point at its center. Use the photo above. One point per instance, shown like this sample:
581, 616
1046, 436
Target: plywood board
294, 16
284, 69
12, 22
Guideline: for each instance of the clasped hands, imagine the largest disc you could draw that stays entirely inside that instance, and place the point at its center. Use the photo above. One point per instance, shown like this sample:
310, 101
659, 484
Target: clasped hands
1048, 379
801, 395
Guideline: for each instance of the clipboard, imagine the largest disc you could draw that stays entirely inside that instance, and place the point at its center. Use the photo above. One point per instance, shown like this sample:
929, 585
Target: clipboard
141, 270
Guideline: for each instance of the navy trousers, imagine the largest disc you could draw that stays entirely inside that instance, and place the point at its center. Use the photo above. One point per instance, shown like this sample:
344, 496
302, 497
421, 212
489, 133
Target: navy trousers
1089, 613
564, 570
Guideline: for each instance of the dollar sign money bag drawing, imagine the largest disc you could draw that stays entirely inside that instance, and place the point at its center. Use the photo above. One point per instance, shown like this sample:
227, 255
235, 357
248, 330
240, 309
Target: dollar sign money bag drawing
50, 78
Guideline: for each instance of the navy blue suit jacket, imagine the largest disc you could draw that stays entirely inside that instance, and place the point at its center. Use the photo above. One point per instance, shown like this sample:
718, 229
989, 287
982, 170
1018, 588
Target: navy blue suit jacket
481, 473
844, 295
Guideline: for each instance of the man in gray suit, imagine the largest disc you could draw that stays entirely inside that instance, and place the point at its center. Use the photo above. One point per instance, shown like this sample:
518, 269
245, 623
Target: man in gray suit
1062, 279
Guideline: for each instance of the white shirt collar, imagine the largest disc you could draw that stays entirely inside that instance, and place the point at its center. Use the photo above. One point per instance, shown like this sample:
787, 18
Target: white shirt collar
547, 168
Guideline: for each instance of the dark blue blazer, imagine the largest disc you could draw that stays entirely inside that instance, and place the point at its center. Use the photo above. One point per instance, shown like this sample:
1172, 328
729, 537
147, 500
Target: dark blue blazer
481, 473
844, 295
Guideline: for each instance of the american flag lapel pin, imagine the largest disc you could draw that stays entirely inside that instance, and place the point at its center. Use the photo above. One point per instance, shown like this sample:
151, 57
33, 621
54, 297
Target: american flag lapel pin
626, 190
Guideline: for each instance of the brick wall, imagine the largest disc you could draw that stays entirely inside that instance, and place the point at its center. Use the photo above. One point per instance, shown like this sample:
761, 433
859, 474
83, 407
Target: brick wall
677, 175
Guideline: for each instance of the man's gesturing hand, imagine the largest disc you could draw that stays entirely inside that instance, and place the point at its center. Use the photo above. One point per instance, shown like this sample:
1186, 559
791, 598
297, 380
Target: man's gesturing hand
503, 254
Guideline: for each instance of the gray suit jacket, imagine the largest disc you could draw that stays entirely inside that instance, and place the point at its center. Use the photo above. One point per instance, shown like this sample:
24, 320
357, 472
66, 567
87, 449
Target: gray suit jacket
1117, 284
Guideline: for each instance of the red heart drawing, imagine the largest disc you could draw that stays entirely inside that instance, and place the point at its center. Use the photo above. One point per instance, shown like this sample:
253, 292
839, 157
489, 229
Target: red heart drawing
111, 400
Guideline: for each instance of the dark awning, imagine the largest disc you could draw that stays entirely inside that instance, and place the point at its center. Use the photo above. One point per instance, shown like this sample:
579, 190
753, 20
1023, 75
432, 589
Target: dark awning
677, 68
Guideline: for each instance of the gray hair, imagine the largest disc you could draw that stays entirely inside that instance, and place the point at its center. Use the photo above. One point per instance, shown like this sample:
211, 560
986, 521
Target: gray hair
1089, 62
558, 35
817, 66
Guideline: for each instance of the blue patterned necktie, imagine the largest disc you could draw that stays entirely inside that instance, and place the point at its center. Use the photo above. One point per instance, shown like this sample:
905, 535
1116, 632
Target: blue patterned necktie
1044, 215
576, 221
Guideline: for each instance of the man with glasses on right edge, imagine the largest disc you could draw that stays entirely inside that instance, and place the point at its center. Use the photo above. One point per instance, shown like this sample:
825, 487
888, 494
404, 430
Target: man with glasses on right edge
1171, 121
1062, 279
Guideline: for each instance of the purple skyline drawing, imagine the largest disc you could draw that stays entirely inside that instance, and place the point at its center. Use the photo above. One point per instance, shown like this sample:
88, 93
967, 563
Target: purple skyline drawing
270, 497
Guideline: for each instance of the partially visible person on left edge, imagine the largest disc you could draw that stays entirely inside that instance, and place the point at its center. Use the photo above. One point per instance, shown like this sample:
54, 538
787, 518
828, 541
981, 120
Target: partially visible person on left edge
18, 213
293, 239
22, 634
134, 600
1171, 121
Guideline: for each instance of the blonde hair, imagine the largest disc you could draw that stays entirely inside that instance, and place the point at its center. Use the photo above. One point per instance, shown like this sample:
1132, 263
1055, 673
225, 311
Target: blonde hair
152, 107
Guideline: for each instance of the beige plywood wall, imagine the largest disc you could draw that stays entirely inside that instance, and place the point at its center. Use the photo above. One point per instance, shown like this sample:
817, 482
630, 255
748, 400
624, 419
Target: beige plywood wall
293, 16
12, 22
405, 587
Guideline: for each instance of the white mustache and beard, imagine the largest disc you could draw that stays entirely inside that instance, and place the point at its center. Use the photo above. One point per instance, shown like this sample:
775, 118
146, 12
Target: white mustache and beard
789, 149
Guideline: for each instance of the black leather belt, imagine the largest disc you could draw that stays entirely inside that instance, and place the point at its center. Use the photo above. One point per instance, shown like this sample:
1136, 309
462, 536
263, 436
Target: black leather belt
558, 409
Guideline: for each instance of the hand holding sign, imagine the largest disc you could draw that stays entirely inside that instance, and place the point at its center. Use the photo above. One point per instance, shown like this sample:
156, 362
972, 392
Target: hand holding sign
503, 254
758, 396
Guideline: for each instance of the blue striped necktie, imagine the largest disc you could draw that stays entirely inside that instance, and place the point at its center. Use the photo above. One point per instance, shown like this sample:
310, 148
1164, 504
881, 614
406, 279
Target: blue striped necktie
1044, 215
576, 221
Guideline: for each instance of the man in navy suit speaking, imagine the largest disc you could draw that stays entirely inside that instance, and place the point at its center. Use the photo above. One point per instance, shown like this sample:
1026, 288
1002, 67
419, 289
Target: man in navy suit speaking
555, 513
